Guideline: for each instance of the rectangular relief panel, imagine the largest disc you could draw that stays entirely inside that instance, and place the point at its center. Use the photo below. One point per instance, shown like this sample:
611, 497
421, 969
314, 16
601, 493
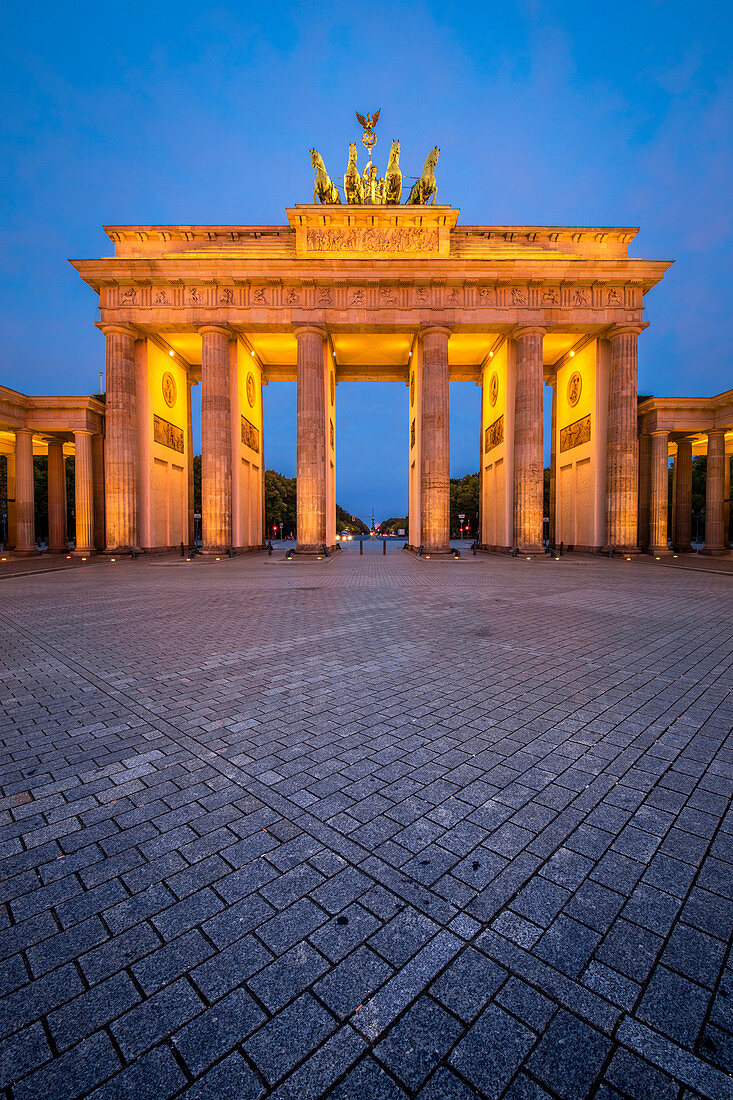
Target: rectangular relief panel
494, 434
250, 435
167, 434
575, 434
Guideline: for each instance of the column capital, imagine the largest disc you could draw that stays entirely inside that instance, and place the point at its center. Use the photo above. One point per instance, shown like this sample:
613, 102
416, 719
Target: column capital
657, 431
624, 330
118, 330
216, 330
82, 431
528, 330
23, 431
715, 431
426, 330
302, 330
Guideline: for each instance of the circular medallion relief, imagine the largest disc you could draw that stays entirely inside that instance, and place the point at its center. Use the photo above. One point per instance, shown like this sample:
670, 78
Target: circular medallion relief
251, 389
493, 388
575, 386
169, 389
412, 389
333, 388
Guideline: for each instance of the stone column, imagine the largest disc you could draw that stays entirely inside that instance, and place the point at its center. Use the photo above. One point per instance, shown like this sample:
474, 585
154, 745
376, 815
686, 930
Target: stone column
25, 526
121, 443
682, 540
56, 498
83, 493
659, 494
645, 477
98, 482
189, 464
528, 456
715, 482
622, 482
435, 464
216, 440
726, 501
553, 466
10, 475
311, 440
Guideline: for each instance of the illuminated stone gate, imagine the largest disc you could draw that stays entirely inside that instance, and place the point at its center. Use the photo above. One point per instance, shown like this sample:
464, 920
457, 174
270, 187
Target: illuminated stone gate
372, 292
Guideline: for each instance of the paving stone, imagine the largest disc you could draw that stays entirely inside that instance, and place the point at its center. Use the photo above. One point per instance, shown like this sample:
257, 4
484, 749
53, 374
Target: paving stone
674, 1006
288, 1037
230, 1079
230, 967
156, 1074
155, 1018
216, 1031
492, 1051
368, 1079
288, 976
418, 1041
468, 983
353, 981
71, 1074
403, 936
569, 1057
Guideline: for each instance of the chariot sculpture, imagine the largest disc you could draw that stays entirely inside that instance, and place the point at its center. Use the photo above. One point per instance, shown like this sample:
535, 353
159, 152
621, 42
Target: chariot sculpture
366, 188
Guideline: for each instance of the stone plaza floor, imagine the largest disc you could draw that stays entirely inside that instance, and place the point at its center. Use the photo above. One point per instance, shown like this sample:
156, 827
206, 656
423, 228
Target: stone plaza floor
366, 828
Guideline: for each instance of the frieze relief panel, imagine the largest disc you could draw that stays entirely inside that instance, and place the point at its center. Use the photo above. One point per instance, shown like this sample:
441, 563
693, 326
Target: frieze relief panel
250, 435
399, 240
167, 434
575, 434
494, 434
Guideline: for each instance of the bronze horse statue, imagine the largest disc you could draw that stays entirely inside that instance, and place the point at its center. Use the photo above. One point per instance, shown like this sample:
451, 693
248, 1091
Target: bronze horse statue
425, 189
325, 190
393, 177
353, 184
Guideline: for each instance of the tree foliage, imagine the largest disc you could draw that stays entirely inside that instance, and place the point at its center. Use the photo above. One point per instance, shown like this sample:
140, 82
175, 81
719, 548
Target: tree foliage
464, 494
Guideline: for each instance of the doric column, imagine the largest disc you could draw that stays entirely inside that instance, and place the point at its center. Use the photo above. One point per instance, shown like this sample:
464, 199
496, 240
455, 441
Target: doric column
189, 464
553, 466
715, 481
311, 439
682, 540
98, 482
622, 484
121, 444
25, 527
528, 456
83, 493
659, 494
216, 440
56, 498
10, 475
435, 464
726, 500
645, 478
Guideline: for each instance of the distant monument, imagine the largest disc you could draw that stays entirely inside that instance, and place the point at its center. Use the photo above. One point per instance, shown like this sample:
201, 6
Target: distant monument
368, 189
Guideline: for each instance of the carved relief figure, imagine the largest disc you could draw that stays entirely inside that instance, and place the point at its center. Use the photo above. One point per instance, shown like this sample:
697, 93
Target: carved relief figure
226, 297
486, 296
575, 434
423, 295
259, 296
494, 434
324, 190
250, 389
357, 298
454, 297
549, 298
425, 189
575, 386
353, 185
292, 297
580, 298
493, 388
393, 176
519, 296
161, 298
324, 296
128, 297
614, 298
389, 296
169, 389
195, 296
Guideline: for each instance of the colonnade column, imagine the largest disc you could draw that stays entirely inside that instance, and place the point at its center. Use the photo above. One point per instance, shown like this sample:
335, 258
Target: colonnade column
56, 498
83, 492
528, 456
553, 467
121, 444
311, 440
98, 483
622, 485
645, 479
659, 495
714, 526
10, 475
216, 440
435, 456
25, 527
682, 540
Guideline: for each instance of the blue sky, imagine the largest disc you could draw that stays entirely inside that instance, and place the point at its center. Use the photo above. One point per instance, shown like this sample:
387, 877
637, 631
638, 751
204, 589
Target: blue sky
545, 113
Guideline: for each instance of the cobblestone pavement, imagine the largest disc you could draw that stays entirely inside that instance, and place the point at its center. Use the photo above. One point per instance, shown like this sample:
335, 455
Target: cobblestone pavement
367, 828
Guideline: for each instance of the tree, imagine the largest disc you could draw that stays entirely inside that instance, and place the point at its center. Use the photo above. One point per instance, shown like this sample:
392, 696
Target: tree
464, 494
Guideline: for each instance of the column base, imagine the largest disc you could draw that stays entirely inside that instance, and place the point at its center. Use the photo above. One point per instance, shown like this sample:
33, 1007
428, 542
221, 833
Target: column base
530, 551
26, 553
314, 553
683, 549
75, 553
621, 551
659, 551
715, 551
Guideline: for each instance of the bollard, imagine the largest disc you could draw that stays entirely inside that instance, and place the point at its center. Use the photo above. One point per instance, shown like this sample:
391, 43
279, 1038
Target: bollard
384, 546
183, 552
361, 546
269, 549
